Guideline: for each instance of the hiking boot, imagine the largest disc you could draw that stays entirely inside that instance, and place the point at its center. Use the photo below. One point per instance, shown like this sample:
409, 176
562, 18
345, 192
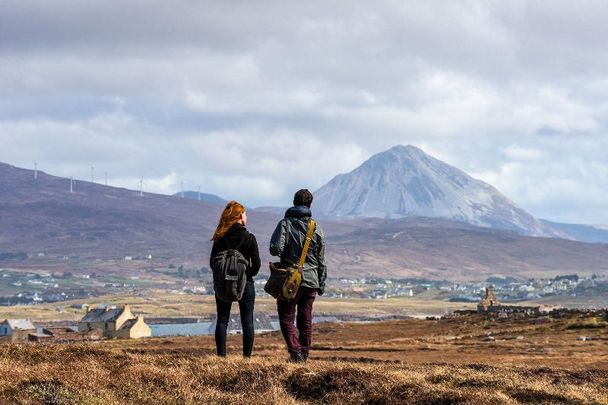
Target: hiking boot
296, 358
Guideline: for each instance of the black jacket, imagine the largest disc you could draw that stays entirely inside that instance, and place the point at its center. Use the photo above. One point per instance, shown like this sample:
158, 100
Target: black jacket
239, 238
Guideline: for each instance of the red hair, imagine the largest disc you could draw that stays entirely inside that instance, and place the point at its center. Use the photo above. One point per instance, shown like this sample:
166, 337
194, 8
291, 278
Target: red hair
230, 216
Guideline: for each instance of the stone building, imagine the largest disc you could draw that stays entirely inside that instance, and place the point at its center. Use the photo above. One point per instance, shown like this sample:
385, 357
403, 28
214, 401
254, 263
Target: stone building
63, 335
115, 323
488, 302
490, 305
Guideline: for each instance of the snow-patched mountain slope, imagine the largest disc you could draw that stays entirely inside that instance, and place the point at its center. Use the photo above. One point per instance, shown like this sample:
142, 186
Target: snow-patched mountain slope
406, 182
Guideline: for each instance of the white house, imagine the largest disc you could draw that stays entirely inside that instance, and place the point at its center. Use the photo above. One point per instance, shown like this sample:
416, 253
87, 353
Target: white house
16, 328
115, 322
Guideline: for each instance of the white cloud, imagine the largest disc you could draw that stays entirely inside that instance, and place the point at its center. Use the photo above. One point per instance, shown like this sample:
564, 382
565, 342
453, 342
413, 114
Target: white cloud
562, 188
516, 152
256, 100
166, 184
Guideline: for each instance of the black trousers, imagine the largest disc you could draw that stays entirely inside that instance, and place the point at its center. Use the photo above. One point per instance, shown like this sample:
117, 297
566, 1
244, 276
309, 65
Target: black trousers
246, 305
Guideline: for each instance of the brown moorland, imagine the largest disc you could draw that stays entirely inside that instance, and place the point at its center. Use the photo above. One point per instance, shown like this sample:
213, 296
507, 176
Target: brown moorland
457, 360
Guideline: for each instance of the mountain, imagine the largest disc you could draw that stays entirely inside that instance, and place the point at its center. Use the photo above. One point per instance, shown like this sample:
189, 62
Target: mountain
583, 233
44, 226
406, 182
210, 198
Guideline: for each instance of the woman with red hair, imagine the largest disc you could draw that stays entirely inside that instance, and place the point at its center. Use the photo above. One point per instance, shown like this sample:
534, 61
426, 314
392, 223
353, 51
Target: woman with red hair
232, 234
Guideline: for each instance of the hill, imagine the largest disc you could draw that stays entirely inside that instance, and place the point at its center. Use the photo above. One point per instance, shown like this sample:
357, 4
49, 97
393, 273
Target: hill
41, 217
582, 233
195, 195
437, 248
44, 226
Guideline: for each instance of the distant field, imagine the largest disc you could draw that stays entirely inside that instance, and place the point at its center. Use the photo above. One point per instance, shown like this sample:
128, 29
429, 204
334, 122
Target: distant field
160, 303
599, 301
163, 304
412, 361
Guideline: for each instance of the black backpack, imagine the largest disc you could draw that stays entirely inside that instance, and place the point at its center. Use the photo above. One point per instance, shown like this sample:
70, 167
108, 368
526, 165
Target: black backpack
229, 274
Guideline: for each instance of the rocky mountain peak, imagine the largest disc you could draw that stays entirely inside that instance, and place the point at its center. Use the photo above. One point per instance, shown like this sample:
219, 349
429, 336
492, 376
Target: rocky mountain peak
404, 181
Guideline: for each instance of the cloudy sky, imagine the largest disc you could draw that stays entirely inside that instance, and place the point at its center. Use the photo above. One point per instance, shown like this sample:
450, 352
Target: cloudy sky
253, 100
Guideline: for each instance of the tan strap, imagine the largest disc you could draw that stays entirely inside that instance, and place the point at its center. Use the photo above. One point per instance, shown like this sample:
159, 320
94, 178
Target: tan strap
311, 231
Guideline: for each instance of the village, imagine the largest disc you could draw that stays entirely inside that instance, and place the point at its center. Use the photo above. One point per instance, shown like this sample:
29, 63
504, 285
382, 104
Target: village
508, 289
97, 323
29, 287
119, 322
497, 297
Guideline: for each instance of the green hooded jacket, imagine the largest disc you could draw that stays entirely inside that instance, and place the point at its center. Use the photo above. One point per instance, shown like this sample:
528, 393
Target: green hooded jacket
287, 242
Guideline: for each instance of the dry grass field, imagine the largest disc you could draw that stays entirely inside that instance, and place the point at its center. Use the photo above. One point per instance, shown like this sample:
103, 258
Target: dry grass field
458, 360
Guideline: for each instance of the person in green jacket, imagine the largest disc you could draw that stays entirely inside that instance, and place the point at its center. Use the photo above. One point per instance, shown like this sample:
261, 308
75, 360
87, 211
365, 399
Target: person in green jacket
287, 242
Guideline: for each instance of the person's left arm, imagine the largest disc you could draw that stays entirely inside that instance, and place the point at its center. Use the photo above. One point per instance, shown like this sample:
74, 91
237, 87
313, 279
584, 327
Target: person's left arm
254, 256
322, 269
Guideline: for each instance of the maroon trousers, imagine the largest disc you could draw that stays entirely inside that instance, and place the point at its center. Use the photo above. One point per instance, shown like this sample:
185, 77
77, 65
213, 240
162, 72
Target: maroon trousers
298, 337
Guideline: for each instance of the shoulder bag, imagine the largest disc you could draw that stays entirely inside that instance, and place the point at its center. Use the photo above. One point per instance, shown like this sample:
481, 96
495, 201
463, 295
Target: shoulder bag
285, 280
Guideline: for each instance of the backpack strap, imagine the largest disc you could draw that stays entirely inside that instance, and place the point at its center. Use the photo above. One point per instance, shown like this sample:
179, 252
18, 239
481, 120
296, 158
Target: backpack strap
311, 231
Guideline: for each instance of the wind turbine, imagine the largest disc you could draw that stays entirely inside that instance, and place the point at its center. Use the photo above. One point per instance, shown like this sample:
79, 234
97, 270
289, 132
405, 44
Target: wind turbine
141, 187
92, 174
71, 184
199, 193
35, 170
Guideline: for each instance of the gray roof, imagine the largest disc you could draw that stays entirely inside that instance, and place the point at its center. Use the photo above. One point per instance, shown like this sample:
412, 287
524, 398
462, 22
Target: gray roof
94, 315
101, 315
128, 324
23, 324
112, 314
